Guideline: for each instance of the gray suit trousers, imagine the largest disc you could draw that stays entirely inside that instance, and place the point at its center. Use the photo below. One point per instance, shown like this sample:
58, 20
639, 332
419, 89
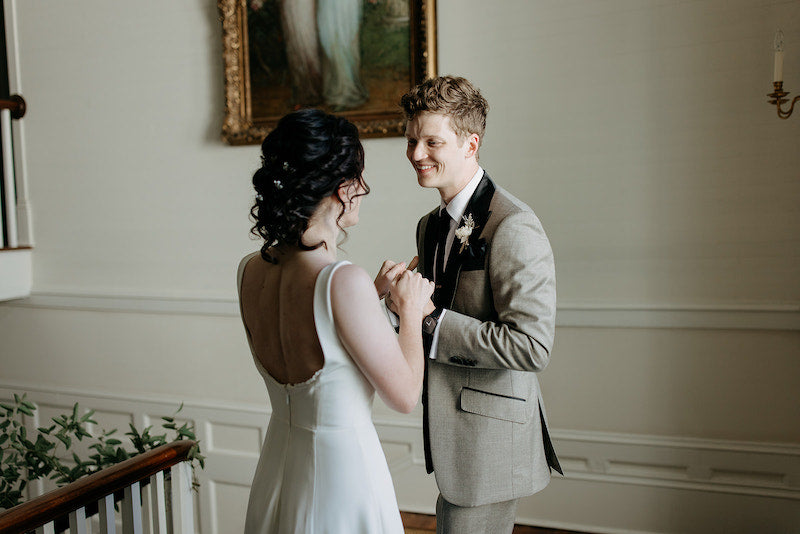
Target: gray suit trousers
495, 518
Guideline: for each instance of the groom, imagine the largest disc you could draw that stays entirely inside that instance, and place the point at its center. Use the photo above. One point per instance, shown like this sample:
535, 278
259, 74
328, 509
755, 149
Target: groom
490, 327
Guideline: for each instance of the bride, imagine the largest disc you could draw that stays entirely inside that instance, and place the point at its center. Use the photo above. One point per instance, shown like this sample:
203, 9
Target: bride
320, 338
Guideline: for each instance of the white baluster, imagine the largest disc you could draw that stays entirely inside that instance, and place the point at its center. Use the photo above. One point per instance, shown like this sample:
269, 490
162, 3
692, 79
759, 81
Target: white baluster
182, 501
159, 503
48, 528
77, 521
147, 509
9, 185
132, 510
108, 524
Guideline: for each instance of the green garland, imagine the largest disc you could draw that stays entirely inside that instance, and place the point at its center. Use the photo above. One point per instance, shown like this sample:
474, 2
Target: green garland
24, 459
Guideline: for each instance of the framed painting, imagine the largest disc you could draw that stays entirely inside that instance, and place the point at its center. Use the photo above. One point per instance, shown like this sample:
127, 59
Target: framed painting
353, 58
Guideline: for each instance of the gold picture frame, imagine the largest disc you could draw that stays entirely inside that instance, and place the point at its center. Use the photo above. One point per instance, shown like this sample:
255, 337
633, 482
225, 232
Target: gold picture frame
263, 81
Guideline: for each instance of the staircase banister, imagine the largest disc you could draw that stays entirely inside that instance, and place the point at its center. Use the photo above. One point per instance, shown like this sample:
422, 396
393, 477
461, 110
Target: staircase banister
61, 501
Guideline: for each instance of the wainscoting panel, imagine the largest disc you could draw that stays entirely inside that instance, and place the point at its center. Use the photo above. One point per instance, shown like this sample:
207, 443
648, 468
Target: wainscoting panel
231, 435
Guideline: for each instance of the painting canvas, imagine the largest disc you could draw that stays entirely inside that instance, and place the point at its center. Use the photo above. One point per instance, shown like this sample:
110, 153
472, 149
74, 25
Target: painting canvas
354, 58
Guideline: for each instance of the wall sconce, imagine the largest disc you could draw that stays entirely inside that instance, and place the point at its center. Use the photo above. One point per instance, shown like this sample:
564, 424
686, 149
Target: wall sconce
778, 96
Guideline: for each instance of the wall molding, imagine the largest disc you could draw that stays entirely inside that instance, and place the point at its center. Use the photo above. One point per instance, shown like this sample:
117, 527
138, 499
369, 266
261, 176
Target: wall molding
231, 434
744, 316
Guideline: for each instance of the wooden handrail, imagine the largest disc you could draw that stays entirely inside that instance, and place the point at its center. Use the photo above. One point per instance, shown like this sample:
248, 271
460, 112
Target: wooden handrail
36, 512
16, 104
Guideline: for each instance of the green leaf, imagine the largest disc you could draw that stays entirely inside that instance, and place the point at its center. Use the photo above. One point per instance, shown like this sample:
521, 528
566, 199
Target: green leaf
60, 421
26, 410
75, 411
65, 440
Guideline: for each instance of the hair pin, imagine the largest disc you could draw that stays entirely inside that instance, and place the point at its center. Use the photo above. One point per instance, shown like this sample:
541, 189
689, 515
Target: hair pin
278, 184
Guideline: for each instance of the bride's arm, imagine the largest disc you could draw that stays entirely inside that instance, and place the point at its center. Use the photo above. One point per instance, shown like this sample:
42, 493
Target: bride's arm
393, 364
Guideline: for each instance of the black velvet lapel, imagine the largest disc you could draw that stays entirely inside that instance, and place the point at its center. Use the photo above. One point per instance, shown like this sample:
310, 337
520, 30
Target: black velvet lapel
478, 207
429, 246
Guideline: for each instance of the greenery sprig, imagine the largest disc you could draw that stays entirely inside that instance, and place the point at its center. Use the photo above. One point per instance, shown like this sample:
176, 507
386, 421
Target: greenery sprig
24, 459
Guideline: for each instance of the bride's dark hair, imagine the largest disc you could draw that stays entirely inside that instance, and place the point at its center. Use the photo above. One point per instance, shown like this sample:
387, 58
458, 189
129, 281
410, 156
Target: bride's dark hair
305, 159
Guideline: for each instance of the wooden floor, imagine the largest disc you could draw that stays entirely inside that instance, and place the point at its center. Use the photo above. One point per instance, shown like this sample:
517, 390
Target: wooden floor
425, 524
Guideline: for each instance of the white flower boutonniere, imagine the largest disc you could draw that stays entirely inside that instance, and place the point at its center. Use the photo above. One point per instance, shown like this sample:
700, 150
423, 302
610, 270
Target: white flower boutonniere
464, 231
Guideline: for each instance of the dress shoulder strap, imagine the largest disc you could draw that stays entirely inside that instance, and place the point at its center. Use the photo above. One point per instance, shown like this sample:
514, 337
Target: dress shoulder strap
240, 272
323, 311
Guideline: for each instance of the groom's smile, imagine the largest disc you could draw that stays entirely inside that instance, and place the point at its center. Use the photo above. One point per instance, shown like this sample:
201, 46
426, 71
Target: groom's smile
439, 156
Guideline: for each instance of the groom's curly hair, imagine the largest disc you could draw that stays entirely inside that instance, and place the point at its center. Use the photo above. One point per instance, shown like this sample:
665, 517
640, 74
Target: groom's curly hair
305, 159
453, 96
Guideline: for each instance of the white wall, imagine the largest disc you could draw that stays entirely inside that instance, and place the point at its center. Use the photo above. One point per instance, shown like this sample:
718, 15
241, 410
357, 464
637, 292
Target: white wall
637, 130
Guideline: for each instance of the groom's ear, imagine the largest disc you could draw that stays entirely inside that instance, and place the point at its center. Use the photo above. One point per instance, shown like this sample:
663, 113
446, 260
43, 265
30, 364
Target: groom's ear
473, 142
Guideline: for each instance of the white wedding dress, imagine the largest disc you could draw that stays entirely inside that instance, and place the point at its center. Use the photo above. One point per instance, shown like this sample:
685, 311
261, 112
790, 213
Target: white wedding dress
322, 468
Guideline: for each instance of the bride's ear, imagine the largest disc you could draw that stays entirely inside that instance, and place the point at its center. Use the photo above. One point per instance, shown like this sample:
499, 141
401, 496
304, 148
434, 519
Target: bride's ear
342, 195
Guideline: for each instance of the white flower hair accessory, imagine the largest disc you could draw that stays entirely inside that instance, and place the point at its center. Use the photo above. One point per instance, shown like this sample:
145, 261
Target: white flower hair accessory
464, 231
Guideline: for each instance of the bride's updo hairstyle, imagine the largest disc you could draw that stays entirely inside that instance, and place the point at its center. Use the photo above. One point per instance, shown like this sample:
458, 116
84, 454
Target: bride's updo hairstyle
305, 159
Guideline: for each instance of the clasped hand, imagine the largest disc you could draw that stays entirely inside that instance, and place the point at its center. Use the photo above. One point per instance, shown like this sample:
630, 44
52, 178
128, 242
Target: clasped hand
401, 287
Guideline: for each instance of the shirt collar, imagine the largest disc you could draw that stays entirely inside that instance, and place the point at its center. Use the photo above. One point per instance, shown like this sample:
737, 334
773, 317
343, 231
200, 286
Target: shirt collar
458, 204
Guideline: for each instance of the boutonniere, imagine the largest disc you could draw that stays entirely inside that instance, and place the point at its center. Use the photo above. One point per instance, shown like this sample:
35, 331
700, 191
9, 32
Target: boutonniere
464, 231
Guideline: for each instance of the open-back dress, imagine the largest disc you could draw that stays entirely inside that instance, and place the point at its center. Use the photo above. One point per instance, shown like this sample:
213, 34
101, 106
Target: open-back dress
322, 468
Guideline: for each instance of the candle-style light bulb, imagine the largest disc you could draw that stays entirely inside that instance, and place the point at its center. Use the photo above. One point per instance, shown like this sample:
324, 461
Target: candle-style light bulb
777, 46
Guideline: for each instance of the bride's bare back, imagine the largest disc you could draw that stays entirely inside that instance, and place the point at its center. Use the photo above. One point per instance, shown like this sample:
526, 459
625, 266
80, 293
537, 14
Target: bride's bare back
277, 302
278, 310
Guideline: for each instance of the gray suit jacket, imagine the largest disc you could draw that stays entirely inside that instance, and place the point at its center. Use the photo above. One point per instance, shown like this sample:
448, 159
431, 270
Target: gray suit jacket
487, 428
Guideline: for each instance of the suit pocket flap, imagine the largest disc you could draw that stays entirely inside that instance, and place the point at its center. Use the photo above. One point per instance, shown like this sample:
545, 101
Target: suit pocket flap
493, 405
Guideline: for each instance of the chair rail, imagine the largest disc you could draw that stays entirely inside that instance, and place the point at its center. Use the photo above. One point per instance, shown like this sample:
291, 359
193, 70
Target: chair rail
61, 501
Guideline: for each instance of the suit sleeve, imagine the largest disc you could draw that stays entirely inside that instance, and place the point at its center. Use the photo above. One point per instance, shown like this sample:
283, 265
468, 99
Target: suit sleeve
523, 289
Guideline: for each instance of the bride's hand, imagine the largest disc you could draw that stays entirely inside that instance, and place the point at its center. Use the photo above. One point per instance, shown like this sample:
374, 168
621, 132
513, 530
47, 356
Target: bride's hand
389, 272
411, 293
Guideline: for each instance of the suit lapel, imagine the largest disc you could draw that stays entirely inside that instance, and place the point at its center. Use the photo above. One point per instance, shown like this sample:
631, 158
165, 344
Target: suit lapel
478, 207
429, 245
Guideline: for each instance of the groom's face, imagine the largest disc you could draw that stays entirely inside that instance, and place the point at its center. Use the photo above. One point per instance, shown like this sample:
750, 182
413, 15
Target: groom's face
439, 156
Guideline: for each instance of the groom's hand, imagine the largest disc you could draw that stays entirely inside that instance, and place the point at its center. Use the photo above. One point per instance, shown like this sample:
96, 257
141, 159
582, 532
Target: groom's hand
389, 271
